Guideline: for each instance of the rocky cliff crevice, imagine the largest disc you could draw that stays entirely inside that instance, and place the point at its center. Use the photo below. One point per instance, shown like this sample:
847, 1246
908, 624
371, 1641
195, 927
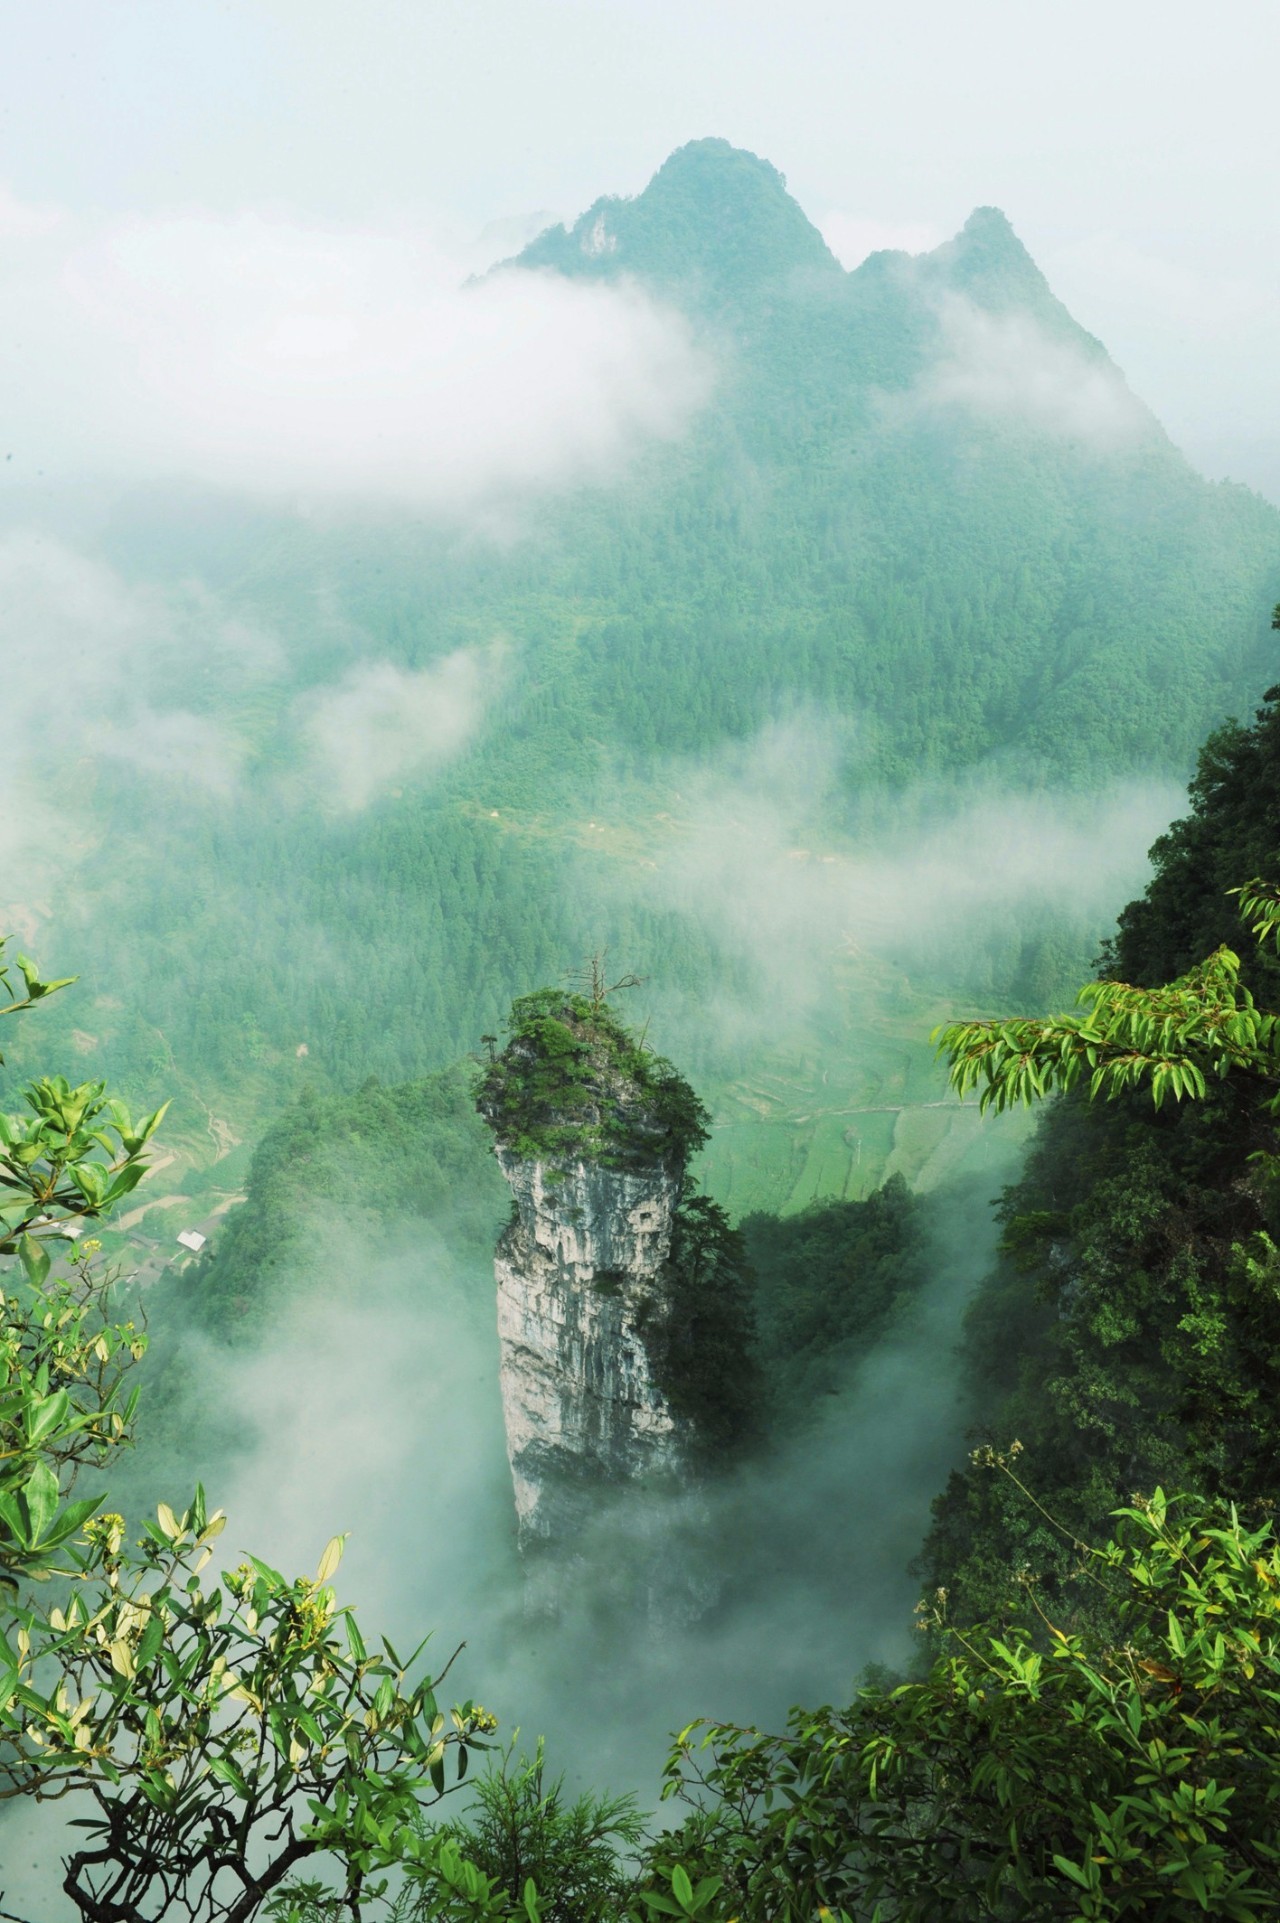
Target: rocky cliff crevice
582, 1287
592, 1135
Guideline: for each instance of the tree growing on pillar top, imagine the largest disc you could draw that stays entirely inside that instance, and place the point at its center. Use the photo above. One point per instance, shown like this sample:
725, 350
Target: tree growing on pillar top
573, 1084
593, 976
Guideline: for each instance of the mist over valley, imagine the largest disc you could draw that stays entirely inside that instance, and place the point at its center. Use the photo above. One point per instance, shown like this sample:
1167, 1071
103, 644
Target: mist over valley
769, 663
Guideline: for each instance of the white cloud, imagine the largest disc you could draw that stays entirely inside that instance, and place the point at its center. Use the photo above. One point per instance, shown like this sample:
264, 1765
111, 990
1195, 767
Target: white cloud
949, 871
22, 220
1007, 368
91, 639
98, 667
381, 724
175, 746
336, 1400
327, 364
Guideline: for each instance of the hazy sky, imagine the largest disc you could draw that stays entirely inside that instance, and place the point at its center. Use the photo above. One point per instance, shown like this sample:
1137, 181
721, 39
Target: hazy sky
1133, 145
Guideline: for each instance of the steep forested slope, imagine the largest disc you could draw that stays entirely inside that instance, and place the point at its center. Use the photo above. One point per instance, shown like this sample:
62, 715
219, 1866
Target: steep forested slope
918, 513
922, 492
1130, 1336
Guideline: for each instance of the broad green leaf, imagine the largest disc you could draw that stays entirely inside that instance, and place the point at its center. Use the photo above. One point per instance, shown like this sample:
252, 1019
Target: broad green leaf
48, 1414
15, 1518
73, 1517
226, 1772
41, 1493
35, 1259
150, 1640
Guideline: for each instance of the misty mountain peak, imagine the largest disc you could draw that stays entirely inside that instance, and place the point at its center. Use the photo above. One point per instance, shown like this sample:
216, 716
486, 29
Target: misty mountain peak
991, 227
713, 216
988, 264
987, 252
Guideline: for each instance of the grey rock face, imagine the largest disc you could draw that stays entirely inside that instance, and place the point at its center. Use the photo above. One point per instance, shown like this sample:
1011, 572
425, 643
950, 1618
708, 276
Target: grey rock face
580, 1279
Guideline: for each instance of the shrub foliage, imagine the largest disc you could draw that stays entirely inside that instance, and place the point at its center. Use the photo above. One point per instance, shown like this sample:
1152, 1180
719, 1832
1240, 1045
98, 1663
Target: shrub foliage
573, 1084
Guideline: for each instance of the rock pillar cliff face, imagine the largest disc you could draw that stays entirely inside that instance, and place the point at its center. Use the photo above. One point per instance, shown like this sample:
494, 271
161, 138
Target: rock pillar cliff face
593, 1132
580, 1274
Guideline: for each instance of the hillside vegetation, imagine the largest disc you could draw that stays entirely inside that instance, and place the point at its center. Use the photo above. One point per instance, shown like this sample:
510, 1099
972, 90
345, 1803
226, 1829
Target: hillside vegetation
1129, 1337
918, 518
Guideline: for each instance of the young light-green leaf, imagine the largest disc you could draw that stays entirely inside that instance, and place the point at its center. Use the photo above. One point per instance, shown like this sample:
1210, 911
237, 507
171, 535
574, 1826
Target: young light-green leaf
331, 1558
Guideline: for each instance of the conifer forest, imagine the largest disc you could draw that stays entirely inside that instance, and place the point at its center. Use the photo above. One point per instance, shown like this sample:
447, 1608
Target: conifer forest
639, 967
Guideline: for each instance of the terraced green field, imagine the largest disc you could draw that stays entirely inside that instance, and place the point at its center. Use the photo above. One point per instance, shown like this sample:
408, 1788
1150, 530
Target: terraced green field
833, 1116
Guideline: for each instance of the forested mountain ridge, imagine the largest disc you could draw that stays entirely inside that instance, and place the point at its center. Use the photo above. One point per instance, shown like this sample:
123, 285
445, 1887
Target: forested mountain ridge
917, 517
715, 224
717, 229
959, 520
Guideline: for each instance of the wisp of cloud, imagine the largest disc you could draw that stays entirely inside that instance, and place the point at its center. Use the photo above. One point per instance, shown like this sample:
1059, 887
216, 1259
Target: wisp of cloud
309, 364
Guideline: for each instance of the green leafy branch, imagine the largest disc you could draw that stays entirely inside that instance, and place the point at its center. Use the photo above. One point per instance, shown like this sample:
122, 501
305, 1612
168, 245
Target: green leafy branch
226, 1733
1260, 907
77, 1154
1093, 1778
63, 1364
1172, 1040
34, 988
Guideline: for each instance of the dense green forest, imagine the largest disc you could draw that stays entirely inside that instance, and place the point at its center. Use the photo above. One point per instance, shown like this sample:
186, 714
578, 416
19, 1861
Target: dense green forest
828, 1283
832, 716
1092, 1733
943, 587
1128, 1337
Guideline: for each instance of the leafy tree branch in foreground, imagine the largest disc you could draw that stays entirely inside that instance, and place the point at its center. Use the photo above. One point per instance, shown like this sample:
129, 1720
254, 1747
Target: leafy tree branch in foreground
223, 1732
1059, 1776
1171, 1040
